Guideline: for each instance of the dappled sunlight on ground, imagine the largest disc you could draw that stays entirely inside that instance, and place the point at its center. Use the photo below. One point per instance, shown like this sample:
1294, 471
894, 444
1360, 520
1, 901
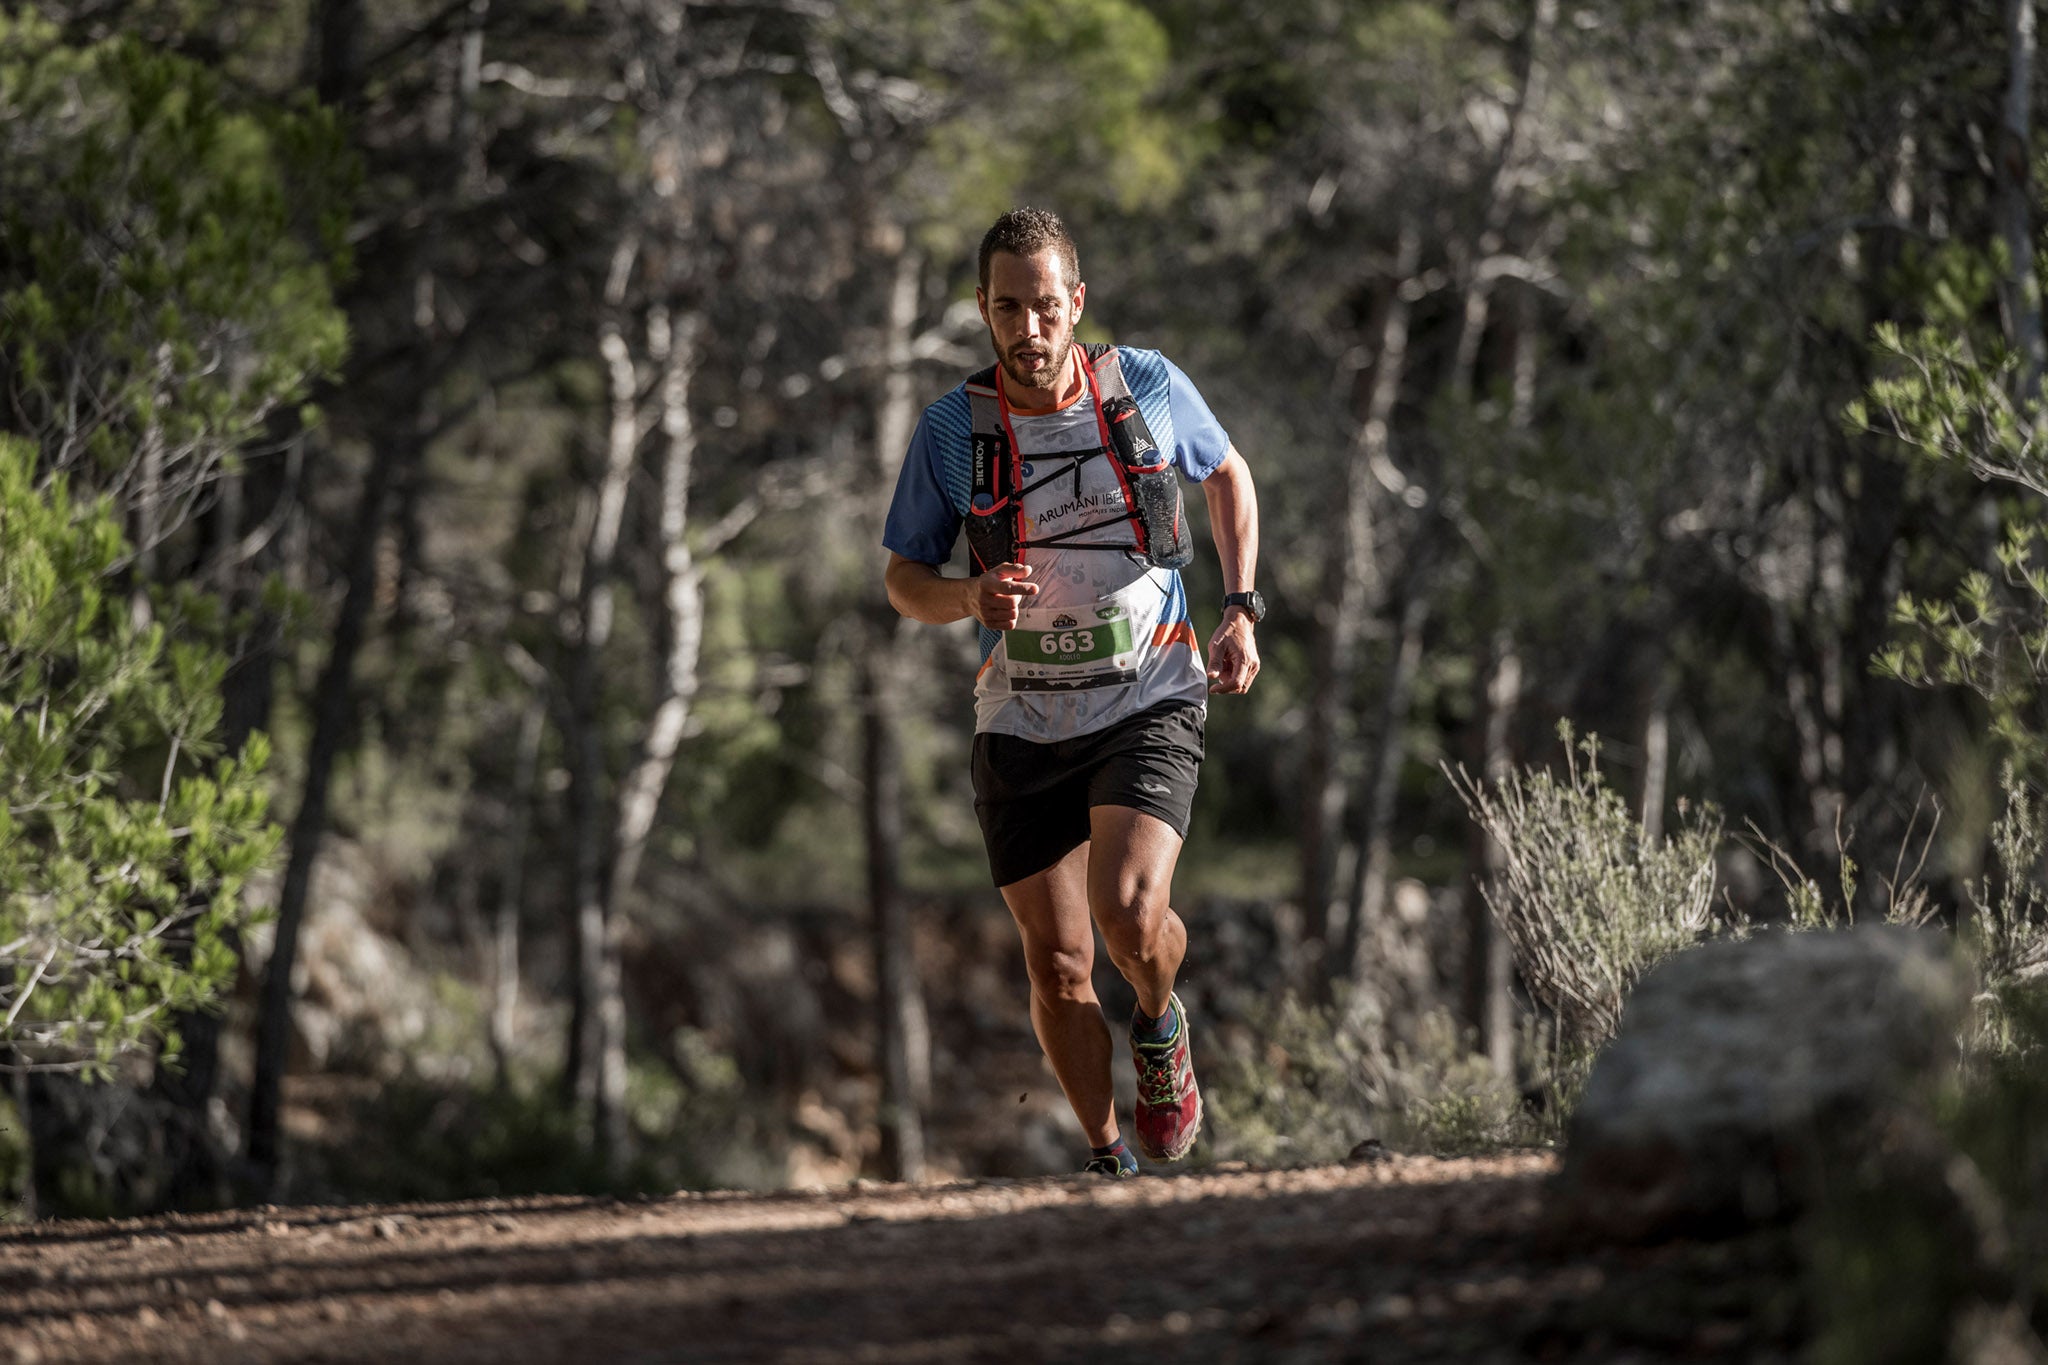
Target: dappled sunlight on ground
1405, 1259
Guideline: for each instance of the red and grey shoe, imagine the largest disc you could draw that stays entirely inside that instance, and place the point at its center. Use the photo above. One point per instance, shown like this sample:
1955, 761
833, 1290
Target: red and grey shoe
1169, 1105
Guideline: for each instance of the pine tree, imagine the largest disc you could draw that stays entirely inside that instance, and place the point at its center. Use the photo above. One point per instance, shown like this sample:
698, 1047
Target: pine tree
124, 847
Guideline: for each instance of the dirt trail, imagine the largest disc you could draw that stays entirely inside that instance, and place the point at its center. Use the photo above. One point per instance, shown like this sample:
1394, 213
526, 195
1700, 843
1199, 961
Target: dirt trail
1409, 1259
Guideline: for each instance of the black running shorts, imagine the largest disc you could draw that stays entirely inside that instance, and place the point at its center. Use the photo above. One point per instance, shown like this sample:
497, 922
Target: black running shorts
1033, 799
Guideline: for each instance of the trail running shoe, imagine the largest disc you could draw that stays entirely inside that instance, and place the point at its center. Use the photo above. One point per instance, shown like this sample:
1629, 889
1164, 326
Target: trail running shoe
1119, 1163
1169, 1105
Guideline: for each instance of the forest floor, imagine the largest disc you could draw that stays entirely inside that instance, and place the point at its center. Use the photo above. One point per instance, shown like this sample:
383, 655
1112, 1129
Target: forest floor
1406, 1259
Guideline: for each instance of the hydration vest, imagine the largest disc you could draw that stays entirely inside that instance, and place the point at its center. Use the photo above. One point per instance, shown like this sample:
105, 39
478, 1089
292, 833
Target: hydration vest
996, 530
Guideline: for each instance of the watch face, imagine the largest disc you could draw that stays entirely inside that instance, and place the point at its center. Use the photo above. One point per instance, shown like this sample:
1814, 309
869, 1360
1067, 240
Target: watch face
1252, 601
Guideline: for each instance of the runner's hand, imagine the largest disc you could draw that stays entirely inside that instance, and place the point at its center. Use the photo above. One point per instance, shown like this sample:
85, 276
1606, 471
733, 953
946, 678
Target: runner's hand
999, 595
1233, 654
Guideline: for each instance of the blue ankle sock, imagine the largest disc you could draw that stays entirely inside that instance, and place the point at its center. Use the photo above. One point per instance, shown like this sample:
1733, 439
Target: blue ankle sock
1146, 1029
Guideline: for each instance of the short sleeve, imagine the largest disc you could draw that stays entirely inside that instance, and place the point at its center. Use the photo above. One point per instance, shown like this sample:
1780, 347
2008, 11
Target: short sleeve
1199, 440
923, 523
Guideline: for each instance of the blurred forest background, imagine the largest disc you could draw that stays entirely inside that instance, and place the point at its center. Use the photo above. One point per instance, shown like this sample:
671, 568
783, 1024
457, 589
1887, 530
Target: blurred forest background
493, 404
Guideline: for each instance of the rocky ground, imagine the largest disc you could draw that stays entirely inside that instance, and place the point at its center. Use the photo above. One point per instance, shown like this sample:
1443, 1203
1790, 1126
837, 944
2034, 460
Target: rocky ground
1399, 1260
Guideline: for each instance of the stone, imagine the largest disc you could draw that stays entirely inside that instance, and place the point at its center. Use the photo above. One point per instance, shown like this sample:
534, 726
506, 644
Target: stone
1370, 1152
1742, 1069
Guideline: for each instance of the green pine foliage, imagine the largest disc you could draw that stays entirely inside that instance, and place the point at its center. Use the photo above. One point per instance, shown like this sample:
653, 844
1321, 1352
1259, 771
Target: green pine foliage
1951, 397
166, 261
126, 837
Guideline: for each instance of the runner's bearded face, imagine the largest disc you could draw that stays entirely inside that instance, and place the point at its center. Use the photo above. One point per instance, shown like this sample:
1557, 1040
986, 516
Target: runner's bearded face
1031, 310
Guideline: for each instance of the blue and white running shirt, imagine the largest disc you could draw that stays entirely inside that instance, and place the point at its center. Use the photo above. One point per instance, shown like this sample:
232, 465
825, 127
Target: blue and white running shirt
1083, 594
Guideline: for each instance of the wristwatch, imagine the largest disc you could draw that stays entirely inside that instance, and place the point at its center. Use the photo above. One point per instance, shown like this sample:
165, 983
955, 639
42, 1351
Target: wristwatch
1252, 601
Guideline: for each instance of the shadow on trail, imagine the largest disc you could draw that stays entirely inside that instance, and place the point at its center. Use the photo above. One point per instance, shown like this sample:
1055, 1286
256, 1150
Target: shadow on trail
1210, 1269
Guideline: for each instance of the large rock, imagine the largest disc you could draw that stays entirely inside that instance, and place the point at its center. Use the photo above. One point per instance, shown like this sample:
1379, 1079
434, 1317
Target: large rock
1743, 1069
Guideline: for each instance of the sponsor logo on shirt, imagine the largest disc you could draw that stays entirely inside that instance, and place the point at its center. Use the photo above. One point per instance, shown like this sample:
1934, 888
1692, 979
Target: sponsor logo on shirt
1111, 501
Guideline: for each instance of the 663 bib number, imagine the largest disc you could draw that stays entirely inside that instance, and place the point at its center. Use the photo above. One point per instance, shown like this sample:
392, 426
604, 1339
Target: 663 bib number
1078, 645
1055, 649
1055, 643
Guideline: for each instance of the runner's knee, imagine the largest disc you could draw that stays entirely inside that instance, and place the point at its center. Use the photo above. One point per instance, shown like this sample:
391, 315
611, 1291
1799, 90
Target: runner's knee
1132, 913
1135, 932
1061, 973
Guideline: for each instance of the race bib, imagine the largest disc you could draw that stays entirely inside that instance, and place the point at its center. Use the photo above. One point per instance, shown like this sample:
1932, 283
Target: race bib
1058, 648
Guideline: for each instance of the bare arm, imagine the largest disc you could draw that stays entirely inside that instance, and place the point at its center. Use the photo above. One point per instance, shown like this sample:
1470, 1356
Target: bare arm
1234, 524
922, 593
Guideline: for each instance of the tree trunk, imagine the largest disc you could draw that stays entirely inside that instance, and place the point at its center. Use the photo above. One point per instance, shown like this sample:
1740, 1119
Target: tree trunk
334, 68
17, 1087
595, 1074
334, 43
1338, 609
195, 1165
1487, 987
1805, 629
1373, 810
2021, 287
1351, 578
504, 950
470, 145
1498, 203
333, 706
902, 1034
1656, 754
679, 634
1877, 506
680, 622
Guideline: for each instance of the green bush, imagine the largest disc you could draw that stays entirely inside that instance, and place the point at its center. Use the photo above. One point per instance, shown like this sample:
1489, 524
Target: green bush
1586, 903
125, 836
2007, 929
1293, 1082
1298, 1082
1451, 1102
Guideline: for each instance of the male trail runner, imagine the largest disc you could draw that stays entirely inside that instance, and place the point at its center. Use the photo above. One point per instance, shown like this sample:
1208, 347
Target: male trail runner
1061, 461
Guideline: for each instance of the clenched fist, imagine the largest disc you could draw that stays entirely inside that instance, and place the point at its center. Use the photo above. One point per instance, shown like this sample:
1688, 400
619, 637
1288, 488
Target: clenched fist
998, 595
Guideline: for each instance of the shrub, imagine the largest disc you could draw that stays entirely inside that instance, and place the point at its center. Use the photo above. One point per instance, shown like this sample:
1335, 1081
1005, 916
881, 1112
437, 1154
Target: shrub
1907, 900
2008, 929
1296, 1081
125, 838
1451, 1102
1303, 1082
1586, 903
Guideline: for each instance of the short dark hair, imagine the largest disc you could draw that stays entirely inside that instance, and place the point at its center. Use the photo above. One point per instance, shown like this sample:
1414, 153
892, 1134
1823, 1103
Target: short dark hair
1026, 232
